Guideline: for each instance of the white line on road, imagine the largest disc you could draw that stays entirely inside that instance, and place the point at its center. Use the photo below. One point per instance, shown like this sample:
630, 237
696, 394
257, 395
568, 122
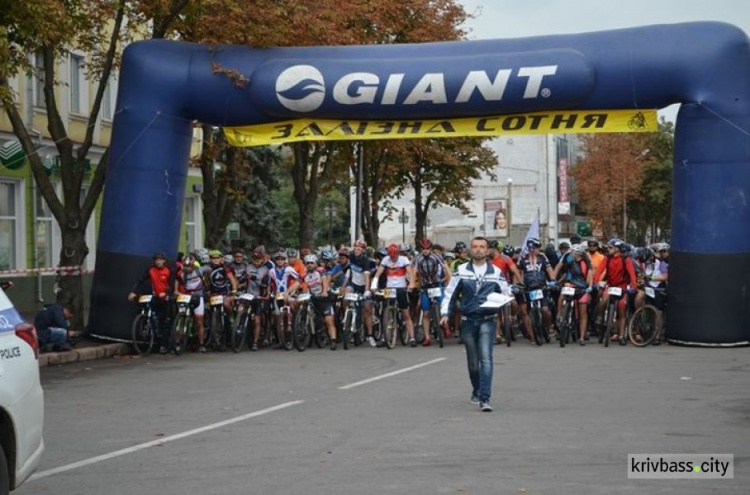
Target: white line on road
153, 443
392, 373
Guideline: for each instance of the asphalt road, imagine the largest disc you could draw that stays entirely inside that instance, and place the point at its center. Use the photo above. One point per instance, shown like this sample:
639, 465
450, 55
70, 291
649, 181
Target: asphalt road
277, 422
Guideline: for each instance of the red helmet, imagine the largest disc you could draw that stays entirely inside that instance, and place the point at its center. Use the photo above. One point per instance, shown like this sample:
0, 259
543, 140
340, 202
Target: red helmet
360, 244
394, 251
425, 243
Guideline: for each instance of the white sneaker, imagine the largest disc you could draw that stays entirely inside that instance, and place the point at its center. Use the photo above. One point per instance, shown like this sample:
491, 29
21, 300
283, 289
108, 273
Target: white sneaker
371, 341
485, 407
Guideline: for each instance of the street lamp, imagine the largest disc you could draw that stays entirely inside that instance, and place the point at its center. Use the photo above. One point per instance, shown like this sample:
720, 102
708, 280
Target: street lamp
330, 210
510, 196
403, 219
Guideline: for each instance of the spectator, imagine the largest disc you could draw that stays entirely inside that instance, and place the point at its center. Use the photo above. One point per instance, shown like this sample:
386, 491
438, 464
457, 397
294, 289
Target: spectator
53, 327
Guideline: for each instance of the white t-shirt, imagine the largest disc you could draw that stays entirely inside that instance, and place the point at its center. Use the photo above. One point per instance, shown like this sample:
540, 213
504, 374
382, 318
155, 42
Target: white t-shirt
395, 271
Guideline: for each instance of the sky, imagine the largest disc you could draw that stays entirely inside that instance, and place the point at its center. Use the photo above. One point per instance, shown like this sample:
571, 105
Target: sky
499, 19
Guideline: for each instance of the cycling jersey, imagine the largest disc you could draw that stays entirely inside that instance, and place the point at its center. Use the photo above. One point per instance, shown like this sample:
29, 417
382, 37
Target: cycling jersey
159, 280
534, 271
314, 281
357, 268
505, 264
257, 280
396, 271
192, 282
620, 272
458, 262
282, 279
577, 272
430, 270
240, 272
218, 279
337, 274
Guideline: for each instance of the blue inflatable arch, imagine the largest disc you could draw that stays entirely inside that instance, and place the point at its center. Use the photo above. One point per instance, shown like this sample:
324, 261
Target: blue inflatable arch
165, 86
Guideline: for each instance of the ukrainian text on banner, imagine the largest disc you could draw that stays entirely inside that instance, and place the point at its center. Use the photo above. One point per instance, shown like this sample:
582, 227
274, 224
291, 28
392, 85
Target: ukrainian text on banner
558, 122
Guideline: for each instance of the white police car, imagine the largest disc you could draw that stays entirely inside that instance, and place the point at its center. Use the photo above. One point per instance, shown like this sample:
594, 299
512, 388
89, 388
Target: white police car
21, 398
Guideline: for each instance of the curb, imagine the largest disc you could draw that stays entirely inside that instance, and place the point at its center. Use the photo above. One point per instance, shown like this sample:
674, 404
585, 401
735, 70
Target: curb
83, 354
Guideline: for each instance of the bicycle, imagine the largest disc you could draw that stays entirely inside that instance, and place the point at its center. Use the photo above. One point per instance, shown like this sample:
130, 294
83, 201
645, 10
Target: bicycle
610, 315
646, 326
304, 323
144, 326
433, 294
352, 325
284, 330
535, 312
567, 322
243, 310
218, 332
182, 329
390, 318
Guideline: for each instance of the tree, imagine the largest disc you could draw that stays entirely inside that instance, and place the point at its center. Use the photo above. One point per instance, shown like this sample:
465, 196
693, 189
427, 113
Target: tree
610, 175
441, 172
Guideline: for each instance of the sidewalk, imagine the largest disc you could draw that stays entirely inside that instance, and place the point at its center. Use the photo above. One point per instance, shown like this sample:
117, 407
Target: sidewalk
85, 350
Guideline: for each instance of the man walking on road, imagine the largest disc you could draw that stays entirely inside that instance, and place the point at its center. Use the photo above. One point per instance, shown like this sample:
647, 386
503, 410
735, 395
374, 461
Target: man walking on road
475, 281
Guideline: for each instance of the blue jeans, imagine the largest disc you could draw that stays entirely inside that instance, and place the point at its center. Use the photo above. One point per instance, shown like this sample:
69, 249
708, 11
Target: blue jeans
479, 338
53, 336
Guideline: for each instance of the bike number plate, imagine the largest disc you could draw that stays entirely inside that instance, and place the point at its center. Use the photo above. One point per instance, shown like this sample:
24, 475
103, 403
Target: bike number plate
280, 296
351, 296
614, 291
247, 297
536, 295
650, 292
434, 292
145, 299
182, 310
303, 297
389, 293
568, 291
183, 298
217, 300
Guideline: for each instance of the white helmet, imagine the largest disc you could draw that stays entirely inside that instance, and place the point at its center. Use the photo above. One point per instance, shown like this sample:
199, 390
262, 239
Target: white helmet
311, 258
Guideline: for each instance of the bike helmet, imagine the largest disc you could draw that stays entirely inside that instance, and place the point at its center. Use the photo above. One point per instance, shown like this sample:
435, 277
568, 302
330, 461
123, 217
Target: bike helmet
393, 251
508, 250
344, 252
159, 255
292, 253
280, 254
202, 256
615, 242
449, 255
327, 255
564, 245
382, 252
533, 242
460, 246
405, 248
425, 243
311, 258
626, 248
259, 253
579, 249
228, 258
493, 244
664, 247
189, 261
360, 244
214, 253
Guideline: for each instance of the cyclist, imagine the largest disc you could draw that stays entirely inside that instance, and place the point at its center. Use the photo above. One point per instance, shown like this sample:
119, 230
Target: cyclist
240, 267
462, 256
431, 272
284, 280
257, 285
339, 271
159, 280
190, 282
535, 269
317, 282
397, 269
296, 263
578, 274
221, 280
357, 280
619, 272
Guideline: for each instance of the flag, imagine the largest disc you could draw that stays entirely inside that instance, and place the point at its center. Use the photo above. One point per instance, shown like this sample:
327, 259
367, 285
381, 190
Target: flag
532, 233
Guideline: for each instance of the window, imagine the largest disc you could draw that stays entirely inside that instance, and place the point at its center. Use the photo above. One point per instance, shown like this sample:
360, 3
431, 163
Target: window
44, 251
77, 84
38, 80
107, 102
11, 241
193, 238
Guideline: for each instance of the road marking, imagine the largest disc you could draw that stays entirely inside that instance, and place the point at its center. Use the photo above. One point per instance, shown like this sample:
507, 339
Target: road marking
392, 373
153, 443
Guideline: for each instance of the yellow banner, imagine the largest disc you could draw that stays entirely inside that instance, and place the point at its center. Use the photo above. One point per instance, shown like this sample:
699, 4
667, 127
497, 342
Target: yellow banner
557, 122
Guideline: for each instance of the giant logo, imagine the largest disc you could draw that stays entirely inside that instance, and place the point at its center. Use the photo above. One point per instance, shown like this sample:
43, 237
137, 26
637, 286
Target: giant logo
467, 85
301, 88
